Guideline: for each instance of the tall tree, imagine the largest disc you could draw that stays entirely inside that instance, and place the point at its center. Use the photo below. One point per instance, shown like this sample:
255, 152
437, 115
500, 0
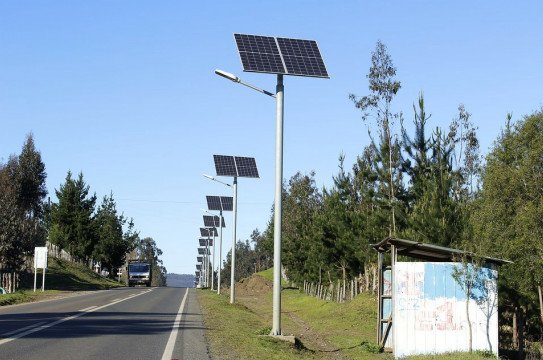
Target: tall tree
22, 189
301, 203
383, 87
72, 218
147, 250
113, 244
508, 219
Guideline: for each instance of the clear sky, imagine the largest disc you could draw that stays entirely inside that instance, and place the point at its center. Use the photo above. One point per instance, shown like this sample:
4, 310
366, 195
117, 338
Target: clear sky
124, 91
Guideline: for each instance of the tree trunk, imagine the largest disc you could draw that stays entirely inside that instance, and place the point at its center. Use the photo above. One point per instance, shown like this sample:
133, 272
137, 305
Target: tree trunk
515, 329
540, 303
468, 293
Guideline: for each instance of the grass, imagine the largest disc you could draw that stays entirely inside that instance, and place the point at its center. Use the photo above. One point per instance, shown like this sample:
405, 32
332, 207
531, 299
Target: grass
60, 277
327, 330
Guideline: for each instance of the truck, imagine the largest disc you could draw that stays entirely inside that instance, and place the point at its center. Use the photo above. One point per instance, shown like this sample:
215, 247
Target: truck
139, 273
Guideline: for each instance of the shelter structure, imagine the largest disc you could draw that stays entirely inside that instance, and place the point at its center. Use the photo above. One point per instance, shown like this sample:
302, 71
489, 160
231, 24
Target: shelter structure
435, 299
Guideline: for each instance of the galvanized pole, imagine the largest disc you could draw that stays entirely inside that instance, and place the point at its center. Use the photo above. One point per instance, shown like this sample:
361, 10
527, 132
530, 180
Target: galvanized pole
213, 263
276, 329
234, 219
220, 255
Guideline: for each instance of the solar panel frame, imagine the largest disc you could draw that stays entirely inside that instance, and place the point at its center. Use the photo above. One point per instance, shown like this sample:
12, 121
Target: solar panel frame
212, 221
259, 54
227, 203
246, 166
214, 203
302, 57
279, 55
225, 165
209, 220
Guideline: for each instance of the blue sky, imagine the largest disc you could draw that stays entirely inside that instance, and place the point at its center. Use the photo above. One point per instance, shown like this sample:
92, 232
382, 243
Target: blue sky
125, 92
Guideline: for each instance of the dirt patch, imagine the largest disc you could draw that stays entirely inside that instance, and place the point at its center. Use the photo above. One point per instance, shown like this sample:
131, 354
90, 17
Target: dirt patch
255, 285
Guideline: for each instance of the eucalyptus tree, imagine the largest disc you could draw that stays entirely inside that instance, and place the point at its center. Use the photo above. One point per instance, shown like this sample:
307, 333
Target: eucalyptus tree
383, 87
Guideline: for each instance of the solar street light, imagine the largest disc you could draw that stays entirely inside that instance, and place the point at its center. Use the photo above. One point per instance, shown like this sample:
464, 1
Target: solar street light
234, 166
219, 203
280, 56
216, 221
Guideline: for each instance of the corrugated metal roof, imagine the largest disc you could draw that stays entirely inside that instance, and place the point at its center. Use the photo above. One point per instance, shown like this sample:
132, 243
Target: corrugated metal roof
429, 252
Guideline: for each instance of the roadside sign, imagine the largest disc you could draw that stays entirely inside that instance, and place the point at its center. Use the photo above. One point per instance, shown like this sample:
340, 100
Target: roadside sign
40, 262
40, 257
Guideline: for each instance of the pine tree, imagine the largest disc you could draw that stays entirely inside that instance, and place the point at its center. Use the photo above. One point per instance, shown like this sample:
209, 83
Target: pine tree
72, 218
113, 245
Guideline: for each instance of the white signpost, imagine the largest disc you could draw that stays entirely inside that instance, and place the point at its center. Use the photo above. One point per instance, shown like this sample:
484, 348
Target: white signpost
40, 262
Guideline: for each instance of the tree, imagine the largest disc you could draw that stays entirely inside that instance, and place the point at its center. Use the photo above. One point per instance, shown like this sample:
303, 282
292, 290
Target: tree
72, 218
383, 88
113, 245
147, 250
507, 220
302, 201
22, 190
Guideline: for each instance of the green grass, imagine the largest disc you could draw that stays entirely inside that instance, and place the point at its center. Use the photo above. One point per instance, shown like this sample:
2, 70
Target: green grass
60, 277
235, 331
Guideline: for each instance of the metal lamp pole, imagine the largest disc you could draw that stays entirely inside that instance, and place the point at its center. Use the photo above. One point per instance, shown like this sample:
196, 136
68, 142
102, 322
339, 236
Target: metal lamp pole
276, 325
279, 96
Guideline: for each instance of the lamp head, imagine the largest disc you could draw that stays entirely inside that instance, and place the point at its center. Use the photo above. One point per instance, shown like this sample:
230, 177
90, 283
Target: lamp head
227, 75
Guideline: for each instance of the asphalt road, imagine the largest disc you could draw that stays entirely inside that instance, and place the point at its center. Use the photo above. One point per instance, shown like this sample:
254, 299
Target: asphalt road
126, 323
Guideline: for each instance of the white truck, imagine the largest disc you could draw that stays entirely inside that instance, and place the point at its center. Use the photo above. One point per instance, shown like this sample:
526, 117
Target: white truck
139, 273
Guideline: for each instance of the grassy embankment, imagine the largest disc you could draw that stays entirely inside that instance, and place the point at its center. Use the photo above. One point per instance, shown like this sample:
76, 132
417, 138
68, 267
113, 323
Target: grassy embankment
325, 330
61, 277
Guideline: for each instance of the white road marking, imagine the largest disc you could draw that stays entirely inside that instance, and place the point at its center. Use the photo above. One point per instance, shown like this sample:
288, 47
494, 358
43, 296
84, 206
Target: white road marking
89, 308
168, 351
22, 329
20, 334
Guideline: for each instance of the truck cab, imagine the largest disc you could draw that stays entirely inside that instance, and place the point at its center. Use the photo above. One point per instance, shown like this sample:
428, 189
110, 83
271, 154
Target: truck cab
139, 273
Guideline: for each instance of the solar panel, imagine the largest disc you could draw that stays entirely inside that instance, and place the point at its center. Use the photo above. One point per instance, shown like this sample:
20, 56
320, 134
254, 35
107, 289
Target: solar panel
259, 54
198, 266
203, 242
302, 57
201, 251
287, 56
227, 203
212, 231
246, 166
218, 203
214, 203
212, 221
225, 165
235, 166
205, 232
208, 221
199, 258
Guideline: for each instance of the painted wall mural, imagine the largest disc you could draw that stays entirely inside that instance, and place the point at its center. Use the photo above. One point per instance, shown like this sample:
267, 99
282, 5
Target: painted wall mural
431, 306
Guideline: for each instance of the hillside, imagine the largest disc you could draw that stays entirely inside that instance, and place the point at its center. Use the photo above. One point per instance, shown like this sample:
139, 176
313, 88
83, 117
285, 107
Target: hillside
61, 278
180, 280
